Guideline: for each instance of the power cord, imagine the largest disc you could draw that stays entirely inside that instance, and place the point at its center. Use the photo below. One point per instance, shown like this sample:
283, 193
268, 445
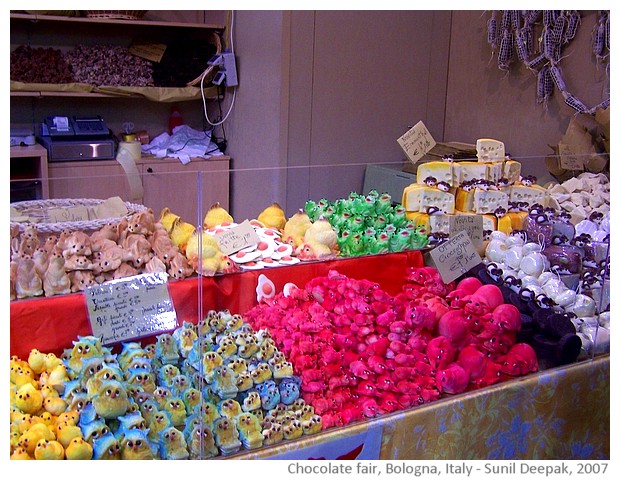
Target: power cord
234, 94
221, 142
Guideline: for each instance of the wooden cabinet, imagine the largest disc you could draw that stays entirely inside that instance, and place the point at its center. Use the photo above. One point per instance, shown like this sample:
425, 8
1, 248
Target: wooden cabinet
166, 182
28, 173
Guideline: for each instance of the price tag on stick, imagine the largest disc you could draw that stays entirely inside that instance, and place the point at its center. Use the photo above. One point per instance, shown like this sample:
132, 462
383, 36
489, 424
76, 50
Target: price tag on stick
417, 142
455, 257
130, 308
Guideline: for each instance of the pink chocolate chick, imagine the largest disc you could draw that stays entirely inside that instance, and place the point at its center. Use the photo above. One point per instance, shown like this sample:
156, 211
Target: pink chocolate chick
441, 352
507, 317
452, 379
520, 360
484, 300
453, 325
469, 284
473, 361
421, 316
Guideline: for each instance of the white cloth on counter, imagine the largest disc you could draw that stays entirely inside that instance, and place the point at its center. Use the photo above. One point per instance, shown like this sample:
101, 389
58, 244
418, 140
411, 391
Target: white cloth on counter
184, 143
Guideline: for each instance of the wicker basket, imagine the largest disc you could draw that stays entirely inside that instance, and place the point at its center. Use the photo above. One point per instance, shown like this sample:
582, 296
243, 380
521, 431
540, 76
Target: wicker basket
39, 210
116, 14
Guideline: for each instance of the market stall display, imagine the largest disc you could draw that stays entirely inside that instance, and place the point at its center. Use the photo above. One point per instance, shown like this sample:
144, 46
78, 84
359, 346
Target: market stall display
347, 343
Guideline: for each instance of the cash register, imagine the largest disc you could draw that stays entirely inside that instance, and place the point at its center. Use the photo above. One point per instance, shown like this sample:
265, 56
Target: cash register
76, 138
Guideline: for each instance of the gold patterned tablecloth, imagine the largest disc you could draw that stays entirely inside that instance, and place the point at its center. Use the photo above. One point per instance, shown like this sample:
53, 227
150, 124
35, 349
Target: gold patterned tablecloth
558, 414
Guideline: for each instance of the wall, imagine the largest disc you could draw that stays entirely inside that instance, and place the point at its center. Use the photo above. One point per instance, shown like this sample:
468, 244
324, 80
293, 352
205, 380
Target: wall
369, 82
483, 101
323, 94
256, 129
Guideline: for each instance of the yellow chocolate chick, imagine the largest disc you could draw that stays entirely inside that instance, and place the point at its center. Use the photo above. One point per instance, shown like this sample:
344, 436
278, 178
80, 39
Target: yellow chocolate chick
180, 234
57, 378
24, 421
173, 444
36, 360
210, 361
49, 450
167, 219
244, 381
14, 437
261, 373
202, 443
176, 409
54, 405
70, 416
283, 370
203, 253
313, 425
28, 399
250, 431
50, 420
230, 408
226, 435
20, 454
51, 362
30, 438
292, 430
79, 449
22, 377
216, 215
135, 446
273, 216
81, 349
273, 434
209, 413
111, 401
159, 422
49, 391
66, 432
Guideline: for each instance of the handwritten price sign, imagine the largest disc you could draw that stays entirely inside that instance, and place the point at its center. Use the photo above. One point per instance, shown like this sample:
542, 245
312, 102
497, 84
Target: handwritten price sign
570, 159
236, 238
472, 224
455, 257
130, 308
417, 142
78, 213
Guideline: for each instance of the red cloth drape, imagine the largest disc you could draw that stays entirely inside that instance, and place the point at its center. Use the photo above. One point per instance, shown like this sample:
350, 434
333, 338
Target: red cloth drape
51, 324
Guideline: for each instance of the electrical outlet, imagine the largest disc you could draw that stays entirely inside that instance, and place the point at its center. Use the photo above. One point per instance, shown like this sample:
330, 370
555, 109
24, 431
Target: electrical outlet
227, 69
230, 68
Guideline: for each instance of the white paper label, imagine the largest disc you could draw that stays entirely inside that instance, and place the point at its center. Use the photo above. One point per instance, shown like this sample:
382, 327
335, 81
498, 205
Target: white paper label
130, 308
237, 238
569, 159
472, 224
79, 213
417, 142
455, 257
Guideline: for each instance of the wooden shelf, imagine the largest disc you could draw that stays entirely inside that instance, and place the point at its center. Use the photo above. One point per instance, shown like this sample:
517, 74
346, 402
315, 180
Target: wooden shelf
64, 31
113, 21
29, 151
49, 93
